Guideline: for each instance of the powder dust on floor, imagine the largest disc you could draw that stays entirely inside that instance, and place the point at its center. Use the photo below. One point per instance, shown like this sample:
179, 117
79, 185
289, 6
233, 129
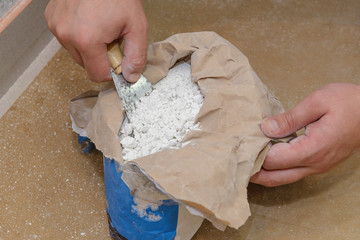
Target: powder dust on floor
49, 190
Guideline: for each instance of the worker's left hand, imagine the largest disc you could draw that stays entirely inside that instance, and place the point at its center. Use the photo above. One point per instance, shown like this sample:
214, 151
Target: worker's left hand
331, 116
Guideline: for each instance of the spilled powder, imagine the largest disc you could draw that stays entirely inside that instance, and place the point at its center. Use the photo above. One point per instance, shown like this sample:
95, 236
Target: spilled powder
142, 210
162, 119
147, 198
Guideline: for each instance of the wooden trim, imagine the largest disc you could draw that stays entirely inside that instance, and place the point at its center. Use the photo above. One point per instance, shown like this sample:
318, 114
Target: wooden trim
13, 13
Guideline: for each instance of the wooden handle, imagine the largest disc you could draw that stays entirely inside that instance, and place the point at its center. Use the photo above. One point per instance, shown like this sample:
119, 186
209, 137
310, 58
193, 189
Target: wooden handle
115, 56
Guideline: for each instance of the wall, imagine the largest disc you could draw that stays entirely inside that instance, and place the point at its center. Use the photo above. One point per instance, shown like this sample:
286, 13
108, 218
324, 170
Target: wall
6, 5
21, 42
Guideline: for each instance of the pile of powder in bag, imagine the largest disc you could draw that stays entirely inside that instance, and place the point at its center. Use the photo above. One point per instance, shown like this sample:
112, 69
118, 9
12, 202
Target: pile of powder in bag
162, 119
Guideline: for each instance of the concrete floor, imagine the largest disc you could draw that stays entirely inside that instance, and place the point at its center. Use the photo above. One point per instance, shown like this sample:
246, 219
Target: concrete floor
49, 190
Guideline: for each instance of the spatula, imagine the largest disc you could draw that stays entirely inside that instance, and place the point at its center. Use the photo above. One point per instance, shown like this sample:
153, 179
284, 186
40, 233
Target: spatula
129, 93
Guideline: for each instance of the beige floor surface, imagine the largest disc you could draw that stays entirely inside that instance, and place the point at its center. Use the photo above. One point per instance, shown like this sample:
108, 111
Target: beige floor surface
49, 190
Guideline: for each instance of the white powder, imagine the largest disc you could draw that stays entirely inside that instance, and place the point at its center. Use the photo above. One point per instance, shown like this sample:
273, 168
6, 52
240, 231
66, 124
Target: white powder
147, 198
148, 216
162, 119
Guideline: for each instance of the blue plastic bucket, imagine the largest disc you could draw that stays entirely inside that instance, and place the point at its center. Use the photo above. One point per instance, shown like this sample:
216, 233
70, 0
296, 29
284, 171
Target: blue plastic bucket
124, 222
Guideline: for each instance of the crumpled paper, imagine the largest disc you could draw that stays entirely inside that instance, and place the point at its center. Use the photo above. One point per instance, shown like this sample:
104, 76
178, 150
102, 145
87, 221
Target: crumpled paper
210, 173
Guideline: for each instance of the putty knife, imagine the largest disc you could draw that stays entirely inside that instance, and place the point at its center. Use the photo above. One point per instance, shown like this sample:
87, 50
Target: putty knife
129, 93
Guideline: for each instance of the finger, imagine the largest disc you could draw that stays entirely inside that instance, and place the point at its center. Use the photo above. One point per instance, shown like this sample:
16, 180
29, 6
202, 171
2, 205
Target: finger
302, 151
49, 10
74, 54
135, 49
96, 62
286, 155
279, 177
306, 112
65, 41
289, 155
61, 31
50, 13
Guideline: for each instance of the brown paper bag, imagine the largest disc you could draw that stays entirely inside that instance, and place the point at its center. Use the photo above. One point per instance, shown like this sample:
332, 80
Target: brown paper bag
210, 174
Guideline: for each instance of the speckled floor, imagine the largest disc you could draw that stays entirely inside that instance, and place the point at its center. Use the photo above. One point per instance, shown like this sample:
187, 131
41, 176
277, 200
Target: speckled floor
49, 190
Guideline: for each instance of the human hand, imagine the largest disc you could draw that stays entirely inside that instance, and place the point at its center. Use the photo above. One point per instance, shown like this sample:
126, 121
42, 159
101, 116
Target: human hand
331, 116
85, 27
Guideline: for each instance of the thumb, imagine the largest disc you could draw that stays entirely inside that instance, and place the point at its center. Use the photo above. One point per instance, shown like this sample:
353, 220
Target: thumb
135, 50
306, 112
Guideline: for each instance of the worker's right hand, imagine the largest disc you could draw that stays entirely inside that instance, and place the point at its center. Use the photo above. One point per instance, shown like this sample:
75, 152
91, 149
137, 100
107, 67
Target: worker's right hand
85, 27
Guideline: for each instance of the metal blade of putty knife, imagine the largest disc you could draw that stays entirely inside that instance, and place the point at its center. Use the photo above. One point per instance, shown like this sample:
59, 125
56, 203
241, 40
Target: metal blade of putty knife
129, 93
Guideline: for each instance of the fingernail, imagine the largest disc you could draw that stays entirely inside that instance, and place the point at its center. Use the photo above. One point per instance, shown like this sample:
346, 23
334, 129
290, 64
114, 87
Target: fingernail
270, 126
134, 77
